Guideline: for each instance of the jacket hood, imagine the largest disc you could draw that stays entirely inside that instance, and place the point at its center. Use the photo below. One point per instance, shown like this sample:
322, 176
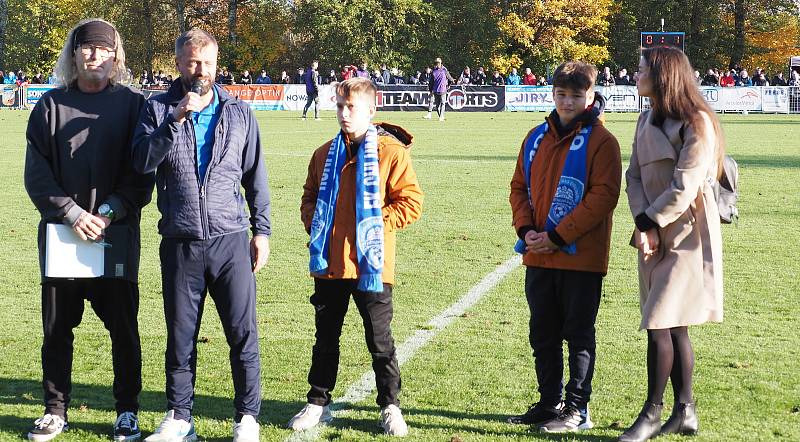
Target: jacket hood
397, 132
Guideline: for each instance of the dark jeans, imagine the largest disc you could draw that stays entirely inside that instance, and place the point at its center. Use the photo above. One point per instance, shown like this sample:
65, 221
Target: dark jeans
222, 266
436, 100
331, 299
563, 306
116, 303
313, 97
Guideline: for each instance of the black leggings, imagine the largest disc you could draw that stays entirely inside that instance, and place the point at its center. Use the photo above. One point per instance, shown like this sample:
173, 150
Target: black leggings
669, 355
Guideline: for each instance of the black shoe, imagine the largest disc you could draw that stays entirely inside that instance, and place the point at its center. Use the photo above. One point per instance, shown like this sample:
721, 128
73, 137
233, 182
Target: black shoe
646, 426
683, 420
47, 427
571, 418
538, 413
126, 428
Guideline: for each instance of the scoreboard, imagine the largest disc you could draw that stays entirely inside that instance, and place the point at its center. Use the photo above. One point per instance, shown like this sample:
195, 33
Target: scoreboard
655, 39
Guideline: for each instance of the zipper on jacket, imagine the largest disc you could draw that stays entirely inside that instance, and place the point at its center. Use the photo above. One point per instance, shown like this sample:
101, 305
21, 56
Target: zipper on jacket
214, 161
201, 186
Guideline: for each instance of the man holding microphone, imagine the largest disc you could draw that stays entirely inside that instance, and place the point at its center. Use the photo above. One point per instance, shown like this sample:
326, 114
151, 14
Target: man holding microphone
205, 147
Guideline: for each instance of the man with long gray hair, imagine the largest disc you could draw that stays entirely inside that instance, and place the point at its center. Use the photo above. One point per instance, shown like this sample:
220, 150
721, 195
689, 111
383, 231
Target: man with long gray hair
78, 173
205, 146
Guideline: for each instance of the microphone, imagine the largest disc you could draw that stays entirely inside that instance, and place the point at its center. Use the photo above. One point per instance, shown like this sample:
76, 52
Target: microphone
197, 88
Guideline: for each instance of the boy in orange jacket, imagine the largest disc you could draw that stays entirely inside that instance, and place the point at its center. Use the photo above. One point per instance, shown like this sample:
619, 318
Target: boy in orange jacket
360, 189
565, 187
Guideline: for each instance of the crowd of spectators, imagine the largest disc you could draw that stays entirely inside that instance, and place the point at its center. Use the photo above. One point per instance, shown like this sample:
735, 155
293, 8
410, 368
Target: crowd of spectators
478, 77
739, 76
20, 78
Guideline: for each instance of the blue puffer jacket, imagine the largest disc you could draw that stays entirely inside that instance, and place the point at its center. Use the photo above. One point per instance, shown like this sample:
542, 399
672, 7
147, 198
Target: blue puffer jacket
215, 207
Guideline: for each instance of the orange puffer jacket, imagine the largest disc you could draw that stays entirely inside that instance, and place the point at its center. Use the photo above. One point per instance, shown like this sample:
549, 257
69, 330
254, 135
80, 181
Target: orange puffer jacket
401, 194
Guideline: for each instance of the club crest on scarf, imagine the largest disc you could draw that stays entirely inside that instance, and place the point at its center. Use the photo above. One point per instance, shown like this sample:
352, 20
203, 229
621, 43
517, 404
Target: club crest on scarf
571, 184
370, 240
568, 194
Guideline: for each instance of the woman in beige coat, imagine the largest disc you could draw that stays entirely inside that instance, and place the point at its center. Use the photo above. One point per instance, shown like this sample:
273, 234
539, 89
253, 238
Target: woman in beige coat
676, 156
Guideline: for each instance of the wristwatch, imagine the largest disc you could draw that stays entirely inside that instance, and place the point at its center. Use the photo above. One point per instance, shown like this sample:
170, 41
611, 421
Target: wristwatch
106, 211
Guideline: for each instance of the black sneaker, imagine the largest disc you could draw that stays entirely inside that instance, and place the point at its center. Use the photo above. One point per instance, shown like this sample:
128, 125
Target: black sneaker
47, 427
571, 418
538, 413
126, 428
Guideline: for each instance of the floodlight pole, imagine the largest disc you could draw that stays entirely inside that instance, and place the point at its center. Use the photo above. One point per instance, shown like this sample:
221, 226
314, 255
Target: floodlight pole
662, 25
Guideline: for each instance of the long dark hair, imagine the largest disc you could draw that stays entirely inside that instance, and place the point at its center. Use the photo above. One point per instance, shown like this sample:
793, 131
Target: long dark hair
675, 95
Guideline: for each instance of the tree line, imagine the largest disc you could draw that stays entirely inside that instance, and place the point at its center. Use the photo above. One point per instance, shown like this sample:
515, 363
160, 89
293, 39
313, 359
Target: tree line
408, 34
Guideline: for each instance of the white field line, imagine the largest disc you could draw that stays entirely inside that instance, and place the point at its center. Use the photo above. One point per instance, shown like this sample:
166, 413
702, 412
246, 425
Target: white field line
361, 389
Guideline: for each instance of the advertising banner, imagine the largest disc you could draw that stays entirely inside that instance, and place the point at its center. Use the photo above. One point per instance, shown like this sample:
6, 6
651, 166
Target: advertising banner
540, 98
9, 95
620, 98
738, 99
259, 97
713, 96
294, 97
459, 98
33, 92
529, 98
775, 99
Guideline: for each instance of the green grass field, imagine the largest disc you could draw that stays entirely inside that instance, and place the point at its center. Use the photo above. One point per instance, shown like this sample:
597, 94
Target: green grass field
479, 369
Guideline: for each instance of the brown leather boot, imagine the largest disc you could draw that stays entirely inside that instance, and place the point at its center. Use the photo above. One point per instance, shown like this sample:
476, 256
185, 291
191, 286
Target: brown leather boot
683, 420
646, 426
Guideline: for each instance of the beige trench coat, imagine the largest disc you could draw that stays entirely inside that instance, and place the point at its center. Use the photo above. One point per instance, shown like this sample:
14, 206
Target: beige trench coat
670, 180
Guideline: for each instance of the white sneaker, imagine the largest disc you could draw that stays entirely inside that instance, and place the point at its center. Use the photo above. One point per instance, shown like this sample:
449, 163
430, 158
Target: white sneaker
441, 118
47, 427
173, 430
427, 116
246, 430
392, 421
310, 416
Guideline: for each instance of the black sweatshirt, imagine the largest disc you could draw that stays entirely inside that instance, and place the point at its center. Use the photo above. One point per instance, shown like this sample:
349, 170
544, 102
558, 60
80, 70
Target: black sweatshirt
79, 157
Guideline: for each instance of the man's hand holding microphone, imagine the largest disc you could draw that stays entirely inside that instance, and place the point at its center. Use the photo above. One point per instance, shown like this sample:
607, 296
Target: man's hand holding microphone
193, 101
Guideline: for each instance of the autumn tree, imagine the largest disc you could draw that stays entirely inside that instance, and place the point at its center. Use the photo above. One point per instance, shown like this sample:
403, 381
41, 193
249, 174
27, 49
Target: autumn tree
339, 33
545, 33
771, 41
3, 25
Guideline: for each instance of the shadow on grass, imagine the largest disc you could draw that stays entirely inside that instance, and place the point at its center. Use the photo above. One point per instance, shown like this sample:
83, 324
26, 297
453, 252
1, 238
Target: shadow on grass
101, 398
370, 425
771, 161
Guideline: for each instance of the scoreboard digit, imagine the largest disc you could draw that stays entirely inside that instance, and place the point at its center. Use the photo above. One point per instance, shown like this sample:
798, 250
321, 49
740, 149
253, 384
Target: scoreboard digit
654, 39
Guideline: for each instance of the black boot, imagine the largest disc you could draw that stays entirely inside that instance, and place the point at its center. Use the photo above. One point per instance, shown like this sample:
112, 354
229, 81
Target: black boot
646, 426
683, 420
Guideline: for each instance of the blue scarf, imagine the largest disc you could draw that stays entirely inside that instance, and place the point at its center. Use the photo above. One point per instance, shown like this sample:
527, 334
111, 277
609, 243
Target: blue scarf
571, 185
369, 218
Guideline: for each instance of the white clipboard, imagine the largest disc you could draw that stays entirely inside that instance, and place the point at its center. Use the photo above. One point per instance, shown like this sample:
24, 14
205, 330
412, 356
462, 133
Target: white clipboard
68, 256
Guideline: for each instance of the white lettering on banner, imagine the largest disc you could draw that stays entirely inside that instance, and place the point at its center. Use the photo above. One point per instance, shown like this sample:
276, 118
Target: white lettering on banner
529, 98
